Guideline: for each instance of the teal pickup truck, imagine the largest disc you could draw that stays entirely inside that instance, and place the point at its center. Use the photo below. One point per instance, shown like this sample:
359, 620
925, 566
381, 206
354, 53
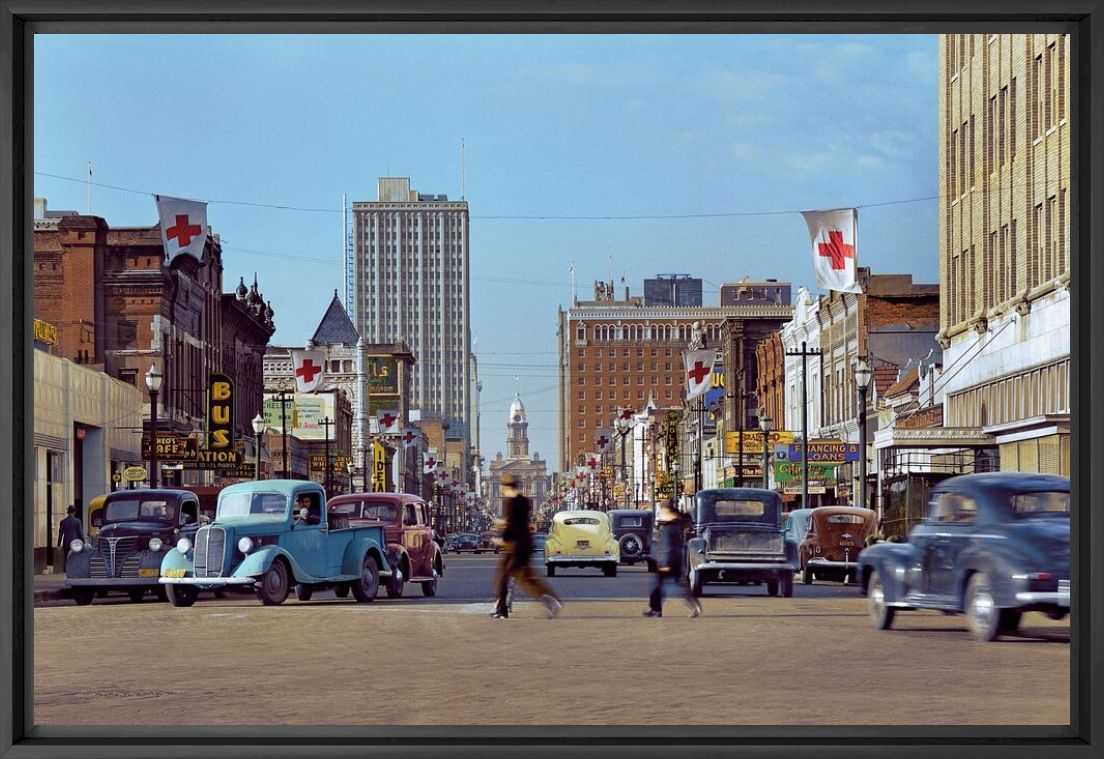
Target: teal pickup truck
272, 535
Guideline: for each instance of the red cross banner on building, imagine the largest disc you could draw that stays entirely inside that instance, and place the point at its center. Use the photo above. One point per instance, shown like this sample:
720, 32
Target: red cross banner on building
603, 439
308, 368
388, 421
699, 367
593, 461
581, 474
409, 437
183, 226
429, 463
835, 238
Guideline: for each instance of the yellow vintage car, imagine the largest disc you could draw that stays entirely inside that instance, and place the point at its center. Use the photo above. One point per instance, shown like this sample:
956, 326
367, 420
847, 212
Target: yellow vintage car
581, 539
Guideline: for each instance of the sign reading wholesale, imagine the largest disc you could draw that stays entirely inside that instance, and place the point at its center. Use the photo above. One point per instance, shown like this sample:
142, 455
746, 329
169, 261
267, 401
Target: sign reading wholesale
753, 440
339, 462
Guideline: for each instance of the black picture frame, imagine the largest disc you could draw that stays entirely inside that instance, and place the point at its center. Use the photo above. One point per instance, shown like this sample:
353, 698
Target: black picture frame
20, 20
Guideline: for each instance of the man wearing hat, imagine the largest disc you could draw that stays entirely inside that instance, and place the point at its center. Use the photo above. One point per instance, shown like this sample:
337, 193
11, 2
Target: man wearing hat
517, 550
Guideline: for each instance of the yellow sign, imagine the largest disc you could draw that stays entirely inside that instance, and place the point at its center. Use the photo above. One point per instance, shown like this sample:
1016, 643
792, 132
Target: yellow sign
135, 473
44, 332
753, 440
379, 467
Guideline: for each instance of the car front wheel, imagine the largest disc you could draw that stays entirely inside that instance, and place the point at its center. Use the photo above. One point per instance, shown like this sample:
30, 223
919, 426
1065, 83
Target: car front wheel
182, 595
365, 589
807, 576
82, 596
273, 588
881, 613
987, 622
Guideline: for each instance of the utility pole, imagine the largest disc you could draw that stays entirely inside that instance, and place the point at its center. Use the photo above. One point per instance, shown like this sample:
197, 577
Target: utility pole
327, 423
804, 353
283, 400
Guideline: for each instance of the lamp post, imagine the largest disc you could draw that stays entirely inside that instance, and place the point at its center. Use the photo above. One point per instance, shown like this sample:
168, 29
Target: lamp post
351, 469
153, 384
765, 426
258, 430
863, 374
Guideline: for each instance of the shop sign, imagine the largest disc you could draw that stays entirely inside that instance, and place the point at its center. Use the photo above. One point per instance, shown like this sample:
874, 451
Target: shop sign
220, 413
208, 459
753, 440
45, 333
338, 463
135, 474
791, 471
830, 451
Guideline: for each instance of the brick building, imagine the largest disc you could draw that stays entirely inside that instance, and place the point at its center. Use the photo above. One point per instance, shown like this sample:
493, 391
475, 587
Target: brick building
770, 359
119, 308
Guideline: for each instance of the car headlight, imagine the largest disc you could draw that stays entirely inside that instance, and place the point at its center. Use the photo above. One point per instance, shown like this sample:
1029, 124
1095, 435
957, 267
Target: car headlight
245, 545
155, 544
183, 545
76, 546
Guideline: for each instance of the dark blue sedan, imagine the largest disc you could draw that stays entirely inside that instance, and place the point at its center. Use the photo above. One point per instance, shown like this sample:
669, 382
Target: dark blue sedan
992, 546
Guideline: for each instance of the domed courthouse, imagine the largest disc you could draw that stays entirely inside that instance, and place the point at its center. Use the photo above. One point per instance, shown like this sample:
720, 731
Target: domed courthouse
531, 471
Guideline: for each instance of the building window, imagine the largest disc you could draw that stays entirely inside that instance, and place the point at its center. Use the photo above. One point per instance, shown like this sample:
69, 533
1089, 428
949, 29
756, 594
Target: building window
1012, 121
1038, 87
129, 375
1002, 126
598, 395
1040, 247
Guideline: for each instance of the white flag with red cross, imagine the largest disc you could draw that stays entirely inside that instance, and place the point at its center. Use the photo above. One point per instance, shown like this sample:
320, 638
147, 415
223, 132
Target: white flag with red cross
429, 463
835, 238
699, 368
388, 422
409, 437
603, 439
593, 461
581, 473
183, 226
309, 371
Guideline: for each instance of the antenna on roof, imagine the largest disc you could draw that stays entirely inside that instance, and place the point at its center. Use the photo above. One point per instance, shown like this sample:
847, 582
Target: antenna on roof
88, 186
461, 168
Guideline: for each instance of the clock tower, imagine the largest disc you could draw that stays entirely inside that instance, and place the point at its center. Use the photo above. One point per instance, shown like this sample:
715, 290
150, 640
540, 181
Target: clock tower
517, 441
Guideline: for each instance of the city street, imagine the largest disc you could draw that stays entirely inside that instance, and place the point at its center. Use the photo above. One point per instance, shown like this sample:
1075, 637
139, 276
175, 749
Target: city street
750, 659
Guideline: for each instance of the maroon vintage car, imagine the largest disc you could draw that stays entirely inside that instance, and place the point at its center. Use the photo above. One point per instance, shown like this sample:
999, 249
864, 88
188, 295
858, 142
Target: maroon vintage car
411, 551
830, 550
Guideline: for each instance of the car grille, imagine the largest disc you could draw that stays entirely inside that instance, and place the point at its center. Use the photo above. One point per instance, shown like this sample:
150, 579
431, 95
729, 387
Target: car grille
210, 545
744, 542
112, 554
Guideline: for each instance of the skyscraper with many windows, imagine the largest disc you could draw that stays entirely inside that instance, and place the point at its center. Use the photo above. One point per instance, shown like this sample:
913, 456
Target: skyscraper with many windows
410, 282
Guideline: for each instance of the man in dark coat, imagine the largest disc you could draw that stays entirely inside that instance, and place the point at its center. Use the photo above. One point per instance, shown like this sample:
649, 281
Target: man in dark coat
669, 549
517, 549
69, 531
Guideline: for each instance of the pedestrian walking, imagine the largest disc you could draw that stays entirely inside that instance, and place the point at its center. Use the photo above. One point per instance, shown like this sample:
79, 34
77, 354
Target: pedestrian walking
69, 530
669, 550
517, 550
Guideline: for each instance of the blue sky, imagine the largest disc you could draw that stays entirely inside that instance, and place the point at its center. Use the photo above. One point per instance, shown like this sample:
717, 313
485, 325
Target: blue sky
583, 125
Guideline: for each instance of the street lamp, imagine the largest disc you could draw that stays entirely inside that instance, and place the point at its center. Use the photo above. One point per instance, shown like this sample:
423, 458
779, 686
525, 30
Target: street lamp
153, 383
351, 469
862, 381
765, 426
258, 430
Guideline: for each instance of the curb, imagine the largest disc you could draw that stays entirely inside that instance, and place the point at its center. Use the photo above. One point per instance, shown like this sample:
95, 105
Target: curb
45, 596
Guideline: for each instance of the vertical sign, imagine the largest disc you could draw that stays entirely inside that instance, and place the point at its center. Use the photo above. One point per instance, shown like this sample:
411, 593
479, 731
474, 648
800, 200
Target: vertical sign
379, 467
220, 413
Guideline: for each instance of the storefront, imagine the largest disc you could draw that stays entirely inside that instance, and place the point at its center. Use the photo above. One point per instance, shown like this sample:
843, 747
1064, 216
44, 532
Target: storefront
87, 426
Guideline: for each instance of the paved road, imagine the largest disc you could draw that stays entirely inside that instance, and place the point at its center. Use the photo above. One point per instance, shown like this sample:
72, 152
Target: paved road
751, 659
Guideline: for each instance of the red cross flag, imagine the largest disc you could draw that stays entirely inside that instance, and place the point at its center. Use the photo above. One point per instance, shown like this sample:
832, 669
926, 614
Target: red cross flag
835, 238
581, 473
699, 366
308, 368
409, 437
603, 439
183, 226
388, 421
593, 461
429, 463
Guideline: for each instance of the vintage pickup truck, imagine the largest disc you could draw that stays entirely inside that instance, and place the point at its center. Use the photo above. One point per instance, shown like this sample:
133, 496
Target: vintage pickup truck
274, 534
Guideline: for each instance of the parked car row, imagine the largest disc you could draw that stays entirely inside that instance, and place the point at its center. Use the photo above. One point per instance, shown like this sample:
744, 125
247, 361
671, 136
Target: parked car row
268, 536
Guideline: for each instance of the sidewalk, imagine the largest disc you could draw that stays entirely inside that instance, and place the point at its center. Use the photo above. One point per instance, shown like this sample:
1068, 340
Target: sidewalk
50, 588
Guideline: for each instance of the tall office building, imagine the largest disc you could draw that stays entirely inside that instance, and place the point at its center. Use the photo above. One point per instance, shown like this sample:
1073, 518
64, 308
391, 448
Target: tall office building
410, 282
1004, 243
673, 290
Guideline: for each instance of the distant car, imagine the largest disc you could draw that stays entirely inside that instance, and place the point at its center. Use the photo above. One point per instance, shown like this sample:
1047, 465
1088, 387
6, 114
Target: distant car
465, 541
581, 539
738, 537
539, 541
830, 548
633, 530
992, 546
486, 542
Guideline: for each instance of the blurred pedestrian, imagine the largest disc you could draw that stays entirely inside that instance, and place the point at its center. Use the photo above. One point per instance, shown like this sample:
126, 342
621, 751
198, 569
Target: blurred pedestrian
669, 550
517, 550
69, 530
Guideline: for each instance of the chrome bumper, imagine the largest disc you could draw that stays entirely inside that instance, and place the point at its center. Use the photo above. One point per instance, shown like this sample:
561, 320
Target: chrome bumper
1055, 598
828, 564
732, 566
578, 559
209, 581
103, 582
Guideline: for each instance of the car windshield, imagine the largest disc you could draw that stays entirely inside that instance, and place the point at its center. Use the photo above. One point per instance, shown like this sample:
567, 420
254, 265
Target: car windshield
127, 509
1041, 504
243, 504
726, 509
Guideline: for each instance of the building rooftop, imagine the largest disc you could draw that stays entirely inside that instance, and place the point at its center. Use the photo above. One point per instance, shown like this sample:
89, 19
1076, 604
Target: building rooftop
336, 328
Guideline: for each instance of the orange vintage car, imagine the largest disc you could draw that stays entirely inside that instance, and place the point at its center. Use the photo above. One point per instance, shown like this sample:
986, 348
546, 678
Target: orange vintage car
831, 548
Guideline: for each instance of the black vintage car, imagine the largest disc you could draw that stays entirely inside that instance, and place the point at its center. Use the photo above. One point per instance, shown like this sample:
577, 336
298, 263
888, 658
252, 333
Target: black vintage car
633, 530
139, 527
990, 545
737, 537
